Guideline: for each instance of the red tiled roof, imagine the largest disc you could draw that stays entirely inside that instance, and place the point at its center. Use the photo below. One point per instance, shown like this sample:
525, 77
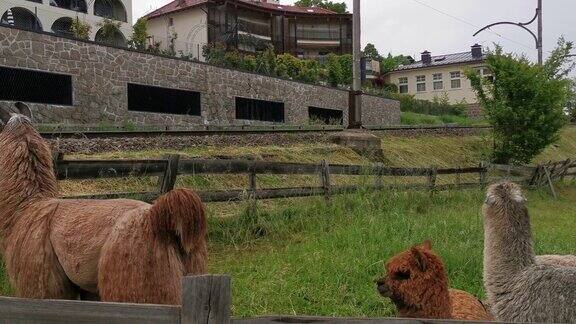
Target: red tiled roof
174, 7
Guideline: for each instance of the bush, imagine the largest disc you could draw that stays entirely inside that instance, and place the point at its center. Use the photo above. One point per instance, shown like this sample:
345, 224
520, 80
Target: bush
524, 102
139, 36
437, 107
80, 29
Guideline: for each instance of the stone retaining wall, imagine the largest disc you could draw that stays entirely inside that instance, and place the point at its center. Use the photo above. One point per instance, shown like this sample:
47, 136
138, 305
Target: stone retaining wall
100, 75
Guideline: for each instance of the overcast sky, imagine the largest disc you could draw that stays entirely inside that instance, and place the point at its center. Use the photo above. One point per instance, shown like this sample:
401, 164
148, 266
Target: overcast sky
411, 26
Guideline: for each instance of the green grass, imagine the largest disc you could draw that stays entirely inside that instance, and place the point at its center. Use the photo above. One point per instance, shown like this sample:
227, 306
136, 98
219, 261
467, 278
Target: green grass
411, 118
318, 260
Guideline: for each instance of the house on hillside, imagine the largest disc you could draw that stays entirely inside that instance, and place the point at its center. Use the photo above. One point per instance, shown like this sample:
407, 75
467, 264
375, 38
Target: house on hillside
56, 16
442, 76
250, 26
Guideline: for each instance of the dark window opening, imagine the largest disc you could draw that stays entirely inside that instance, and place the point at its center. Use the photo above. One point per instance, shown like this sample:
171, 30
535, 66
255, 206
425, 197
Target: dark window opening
325, 116
262, 110
35, 87
163, 100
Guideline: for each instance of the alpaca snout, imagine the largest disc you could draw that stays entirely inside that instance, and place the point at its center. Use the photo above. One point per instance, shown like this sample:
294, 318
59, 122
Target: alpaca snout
383, 288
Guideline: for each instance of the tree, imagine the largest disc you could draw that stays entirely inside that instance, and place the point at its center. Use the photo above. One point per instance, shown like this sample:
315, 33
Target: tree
80, 30
371, 52
139, 35
390, 62
108, 30
524, 102
338, 7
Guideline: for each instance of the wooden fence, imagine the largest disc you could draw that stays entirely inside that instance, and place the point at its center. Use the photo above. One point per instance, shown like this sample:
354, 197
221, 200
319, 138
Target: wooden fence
167, 170
205, 300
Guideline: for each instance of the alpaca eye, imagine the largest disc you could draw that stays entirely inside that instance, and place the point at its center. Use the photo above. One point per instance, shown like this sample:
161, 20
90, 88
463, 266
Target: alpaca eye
402, 275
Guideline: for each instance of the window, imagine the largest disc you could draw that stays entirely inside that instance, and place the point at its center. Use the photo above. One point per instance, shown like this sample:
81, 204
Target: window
163, 100
325, 116
438, 84
421, 83
170, 21
403, 85
485, 73
35, 86
262, 110
455, 80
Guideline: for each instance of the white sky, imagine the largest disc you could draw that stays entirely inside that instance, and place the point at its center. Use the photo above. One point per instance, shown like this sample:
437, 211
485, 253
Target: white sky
410, 27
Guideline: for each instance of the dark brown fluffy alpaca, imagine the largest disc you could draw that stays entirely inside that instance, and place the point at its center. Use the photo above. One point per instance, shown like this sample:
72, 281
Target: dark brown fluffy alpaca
119, 250
417, 284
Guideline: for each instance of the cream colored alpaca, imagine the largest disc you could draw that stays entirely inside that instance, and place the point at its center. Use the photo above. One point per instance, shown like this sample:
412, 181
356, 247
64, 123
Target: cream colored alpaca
119, 250
518, 288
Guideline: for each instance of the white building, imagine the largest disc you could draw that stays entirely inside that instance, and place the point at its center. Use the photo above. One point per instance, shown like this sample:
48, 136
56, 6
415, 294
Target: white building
56, 16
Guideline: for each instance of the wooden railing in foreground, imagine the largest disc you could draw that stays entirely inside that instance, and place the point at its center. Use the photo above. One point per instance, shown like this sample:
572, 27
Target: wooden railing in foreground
167, 170
205, 300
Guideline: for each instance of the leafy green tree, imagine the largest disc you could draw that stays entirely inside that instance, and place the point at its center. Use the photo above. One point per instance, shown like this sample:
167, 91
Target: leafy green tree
338, 7
80, 29
108, 30
524, 102
346, 65
139, 37
390, 62
371, 52
335, 73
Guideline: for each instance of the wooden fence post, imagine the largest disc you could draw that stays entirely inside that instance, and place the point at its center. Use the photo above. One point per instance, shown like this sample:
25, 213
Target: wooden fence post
550, 183
56, 158
252, 192
432, 175
206, 300
325, 180
167, 182
483, 174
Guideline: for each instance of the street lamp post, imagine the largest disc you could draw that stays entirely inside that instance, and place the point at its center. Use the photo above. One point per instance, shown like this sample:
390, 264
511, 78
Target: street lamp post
537, 38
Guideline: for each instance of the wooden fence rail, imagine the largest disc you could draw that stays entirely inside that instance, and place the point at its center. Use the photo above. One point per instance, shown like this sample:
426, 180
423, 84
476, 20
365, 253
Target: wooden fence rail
205, 300
167, 170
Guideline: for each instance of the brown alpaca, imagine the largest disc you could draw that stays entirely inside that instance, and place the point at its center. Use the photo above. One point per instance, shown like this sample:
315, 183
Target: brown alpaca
417, 284
117, 250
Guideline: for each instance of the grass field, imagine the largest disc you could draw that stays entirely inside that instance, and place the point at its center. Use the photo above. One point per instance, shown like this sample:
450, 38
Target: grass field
318, 260
300, 256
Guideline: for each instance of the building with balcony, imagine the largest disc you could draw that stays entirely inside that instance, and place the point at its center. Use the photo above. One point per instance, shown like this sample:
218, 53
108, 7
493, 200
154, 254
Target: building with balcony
251, 26
56, 16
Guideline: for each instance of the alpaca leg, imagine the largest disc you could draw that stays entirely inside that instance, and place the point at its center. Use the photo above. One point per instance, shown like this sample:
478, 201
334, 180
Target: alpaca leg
135, 267
40, 277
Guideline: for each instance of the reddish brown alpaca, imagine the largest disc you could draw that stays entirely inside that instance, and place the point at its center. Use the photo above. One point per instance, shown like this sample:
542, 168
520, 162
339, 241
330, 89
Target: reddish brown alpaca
117, 250
417, 284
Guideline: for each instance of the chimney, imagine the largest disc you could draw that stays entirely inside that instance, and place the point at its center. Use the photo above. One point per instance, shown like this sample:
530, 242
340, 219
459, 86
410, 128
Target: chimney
477, 51
181, 3
426, 57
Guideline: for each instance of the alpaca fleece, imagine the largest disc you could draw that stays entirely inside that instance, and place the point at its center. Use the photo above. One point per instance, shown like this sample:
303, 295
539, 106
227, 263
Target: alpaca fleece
519, 289
416, 282
117, 250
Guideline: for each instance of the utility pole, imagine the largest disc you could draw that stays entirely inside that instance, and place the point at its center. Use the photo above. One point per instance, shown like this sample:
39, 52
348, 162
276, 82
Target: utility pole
540, 37
355, 103
537, 38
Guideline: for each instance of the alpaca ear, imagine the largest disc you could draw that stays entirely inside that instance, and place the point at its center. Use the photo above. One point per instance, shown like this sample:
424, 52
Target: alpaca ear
23, 109
420, 259
4, 115
427, 245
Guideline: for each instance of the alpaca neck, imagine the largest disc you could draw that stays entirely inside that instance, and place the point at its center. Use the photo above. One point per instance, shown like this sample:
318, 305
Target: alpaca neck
507, 246
434, 304
26, 171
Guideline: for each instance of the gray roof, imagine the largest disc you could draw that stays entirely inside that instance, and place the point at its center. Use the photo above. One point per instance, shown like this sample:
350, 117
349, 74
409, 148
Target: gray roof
439, 60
